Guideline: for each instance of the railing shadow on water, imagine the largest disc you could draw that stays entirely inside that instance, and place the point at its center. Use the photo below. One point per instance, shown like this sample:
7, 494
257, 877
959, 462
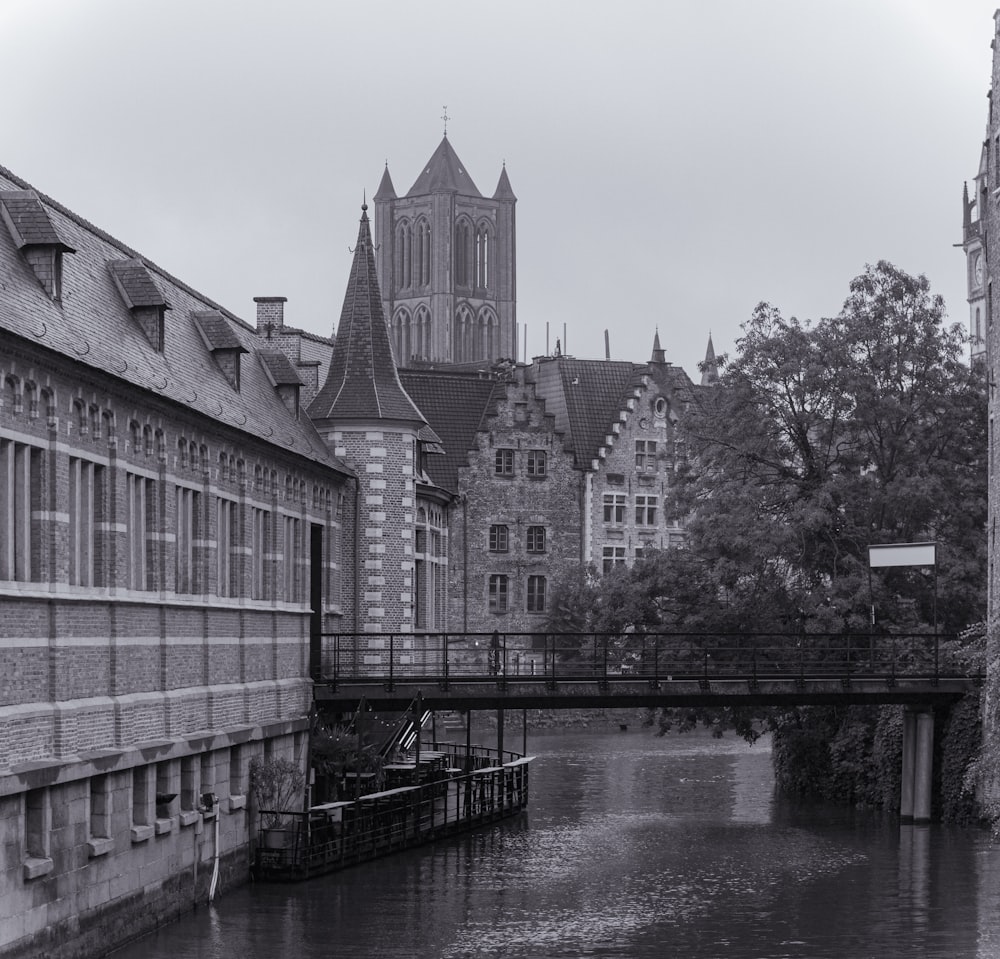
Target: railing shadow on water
657, 657
456, 790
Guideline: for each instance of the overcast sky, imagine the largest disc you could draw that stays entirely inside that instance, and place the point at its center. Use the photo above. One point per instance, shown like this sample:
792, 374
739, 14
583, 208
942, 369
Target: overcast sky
675, 163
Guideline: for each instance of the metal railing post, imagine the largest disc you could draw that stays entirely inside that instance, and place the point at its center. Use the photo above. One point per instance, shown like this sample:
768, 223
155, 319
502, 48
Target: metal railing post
392, 661
444, 653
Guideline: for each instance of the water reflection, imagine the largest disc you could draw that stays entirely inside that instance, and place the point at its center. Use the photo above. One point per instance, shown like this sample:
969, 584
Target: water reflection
634, 846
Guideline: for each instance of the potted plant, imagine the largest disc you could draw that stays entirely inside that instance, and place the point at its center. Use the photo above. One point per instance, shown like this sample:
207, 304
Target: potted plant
276, 783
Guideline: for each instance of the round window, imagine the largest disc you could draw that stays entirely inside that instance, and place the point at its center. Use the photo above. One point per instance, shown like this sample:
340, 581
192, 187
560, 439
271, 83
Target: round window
660, 406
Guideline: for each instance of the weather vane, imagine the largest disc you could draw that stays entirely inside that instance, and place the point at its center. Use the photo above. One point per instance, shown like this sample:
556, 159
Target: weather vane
445, 117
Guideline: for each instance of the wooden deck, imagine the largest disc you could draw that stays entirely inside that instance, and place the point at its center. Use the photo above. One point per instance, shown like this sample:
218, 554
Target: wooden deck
335, 835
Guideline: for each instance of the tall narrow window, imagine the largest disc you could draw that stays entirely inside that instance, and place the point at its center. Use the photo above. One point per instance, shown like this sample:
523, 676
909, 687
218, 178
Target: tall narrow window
226, 542
141, 501
188, 512
645, 455
260, 546
86, 497
20, 472
536, 594
499, 540
291, 567
498, 593
536, 539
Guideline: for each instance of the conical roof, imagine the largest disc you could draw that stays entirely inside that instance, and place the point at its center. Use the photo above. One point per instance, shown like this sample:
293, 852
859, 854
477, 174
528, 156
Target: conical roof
444, 173
362, 382
385, 191
658, 355
503, 190
710, 368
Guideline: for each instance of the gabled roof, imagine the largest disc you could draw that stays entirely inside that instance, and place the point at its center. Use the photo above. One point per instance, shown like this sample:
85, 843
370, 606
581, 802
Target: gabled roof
456, 406
94, 327
444, 173
362, 382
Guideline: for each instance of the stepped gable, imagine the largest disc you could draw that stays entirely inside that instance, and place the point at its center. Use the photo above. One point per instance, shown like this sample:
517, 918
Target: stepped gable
456, 405
362, 383
586, 396
444, 172
93, 325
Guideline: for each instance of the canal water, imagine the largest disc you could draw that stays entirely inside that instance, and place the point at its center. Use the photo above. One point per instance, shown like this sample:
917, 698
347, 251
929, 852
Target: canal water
638, 847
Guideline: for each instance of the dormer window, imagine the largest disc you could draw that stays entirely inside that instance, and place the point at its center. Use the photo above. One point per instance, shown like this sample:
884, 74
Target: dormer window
222, 342
142, 297
283, 377
35, 236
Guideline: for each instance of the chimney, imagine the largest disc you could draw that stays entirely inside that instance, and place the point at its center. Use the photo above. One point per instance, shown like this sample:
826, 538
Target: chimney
270, 314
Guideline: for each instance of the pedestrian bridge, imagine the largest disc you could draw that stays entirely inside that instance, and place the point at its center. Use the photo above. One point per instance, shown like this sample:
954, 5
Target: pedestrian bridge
472, 671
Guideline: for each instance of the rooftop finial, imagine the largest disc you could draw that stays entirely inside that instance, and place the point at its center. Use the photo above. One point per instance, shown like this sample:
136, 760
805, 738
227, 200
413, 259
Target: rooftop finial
446, 118
364, 201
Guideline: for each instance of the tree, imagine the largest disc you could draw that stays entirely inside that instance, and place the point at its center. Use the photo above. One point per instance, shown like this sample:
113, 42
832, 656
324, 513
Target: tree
823, 439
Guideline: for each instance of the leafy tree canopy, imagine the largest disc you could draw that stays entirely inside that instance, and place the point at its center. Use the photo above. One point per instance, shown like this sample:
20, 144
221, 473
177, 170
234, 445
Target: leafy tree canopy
819, 440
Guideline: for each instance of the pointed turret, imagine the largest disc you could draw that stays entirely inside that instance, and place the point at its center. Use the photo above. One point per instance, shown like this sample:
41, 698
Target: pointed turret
385, 191
444, 173
362, 382
503, 190
710, 368
658, 355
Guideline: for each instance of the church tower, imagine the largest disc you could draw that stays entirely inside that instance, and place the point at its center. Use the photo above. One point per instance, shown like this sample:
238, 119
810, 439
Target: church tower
972, 245
445, 257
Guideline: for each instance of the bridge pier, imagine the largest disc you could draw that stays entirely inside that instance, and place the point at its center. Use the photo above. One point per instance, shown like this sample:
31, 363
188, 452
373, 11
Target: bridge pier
917, 765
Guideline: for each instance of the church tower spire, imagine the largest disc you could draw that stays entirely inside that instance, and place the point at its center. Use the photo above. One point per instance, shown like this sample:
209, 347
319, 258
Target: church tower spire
658, 355
710, 367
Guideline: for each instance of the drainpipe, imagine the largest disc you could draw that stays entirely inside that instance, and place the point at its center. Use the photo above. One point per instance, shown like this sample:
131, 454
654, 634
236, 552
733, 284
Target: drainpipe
215, 866
357, 560
465, 563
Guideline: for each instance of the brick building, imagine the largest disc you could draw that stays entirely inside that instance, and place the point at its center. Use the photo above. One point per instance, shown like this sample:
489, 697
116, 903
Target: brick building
169, 519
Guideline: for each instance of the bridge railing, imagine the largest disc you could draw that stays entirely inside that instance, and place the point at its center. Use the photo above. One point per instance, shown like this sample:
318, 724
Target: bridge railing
615, 657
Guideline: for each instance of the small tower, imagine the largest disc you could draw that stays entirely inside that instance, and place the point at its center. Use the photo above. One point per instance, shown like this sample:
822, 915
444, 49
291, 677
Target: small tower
446, 265
658, 354
710, 367
368, 419
975, 260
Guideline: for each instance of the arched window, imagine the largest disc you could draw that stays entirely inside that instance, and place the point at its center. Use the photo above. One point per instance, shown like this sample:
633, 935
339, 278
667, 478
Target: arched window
108, 424
979, 328
182, 452
31, 398
12, 394
423, 259
147, 439
486, 335
401, 336
402, 255
462, 339
80, 415
463, 253
223, 466
421, 338
49, 399
484, 256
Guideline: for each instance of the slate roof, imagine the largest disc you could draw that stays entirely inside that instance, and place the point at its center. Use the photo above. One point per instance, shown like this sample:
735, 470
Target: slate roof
456, 406
94, 327
385, 191
444, 173
585, 397
216, 331
362, 382
279, 368
136, 284
503, 190
28, 220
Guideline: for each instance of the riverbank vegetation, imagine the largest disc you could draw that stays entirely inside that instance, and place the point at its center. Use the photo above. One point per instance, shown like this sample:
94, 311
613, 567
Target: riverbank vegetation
820, 440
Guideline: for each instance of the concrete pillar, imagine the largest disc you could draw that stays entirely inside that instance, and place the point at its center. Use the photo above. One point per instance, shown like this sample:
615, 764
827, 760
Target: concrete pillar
909, 759
923, 767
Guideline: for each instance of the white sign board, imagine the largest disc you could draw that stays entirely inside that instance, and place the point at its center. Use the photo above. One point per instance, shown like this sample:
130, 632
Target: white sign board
901, 554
